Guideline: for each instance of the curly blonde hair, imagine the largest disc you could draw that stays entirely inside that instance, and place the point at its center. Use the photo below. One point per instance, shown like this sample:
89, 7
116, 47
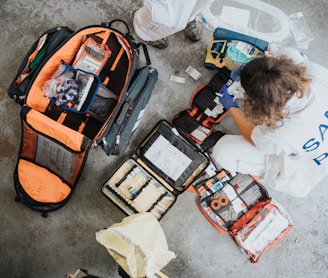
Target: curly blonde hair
269, 83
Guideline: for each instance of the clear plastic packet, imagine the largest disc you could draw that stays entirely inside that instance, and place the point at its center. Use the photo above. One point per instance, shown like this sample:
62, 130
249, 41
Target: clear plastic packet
60, 75
91, 56
301, 30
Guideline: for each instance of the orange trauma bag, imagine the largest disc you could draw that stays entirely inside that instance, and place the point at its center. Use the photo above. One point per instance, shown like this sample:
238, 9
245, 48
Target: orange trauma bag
89, 90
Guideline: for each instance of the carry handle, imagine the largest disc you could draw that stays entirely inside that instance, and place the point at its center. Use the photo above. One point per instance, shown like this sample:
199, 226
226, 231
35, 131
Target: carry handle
110, 23
130, 38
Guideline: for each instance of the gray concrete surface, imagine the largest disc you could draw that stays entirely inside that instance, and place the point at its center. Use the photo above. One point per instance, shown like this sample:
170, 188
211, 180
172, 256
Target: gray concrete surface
32, 246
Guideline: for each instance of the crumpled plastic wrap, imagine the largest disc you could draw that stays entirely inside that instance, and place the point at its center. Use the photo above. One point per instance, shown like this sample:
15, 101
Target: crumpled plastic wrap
137, 244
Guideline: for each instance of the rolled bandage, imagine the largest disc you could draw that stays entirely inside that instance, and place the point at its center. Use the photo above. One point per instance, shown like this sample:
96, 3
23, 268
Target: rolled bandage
219, 202
223, 201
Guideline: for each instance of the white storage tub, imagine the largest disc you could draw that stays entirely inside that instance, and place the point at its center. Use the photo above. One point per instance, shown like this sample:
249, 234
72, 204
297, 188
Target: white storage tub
252, 17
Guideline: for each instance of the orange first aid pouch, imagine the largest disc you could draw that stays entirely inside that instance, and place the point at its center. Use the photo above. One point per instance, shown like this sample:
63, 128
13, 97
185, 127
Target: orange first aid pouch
239, 205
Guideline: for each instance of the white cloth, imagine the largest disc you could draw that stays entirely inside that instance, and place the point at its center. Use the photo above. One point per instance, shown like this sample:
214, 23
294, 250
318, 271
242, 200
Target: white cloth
292, 158
161, 18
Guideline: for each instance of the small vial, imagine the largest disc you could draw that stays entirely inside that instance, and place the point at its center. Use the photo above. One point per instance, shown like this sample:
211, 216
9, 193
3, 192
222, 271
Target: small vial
132, 190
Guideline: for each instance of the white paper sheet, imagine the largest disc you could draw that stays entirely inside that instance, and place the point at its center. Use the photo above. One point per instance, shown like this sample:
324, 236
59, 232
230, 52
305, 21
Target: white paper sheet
167, 158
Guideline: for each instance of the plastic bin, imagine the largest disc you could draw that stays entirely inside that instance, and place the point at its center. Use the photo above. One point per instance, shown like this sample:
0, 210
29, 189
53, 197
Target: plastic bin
252, 17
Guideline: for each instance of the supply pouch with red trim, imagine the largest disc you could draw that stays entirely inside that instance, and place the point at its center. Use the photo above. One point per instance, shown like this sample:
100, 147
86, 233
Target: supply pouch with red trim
239, 205
196, 123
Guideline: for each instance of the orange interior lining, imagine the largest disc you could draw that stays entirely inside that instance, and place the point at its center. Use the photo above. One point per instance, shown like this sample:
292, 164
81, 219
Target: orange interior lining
40, 184
51, 128
36, 98
119, 55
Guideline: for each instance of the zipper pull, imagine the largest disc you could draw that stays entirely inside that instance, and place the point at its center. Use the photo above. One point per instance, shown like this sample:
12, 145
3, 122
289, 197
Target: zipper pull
117, 142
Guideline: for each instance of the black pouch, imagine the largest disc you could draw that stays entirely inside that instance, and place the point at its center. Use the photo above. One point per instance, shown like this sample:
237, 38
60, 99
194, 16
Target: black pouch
163, 166
196, 124
41, 49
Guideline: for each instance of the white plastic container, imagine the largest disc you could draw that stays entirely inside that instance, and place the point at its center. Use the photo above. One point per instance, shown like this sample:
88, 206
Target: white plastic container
251, 17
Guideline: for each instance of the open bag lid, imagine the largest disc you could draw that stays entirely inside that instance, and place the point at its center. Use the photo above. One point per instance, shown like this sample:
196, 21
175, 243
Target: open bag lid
170, 157
227, 197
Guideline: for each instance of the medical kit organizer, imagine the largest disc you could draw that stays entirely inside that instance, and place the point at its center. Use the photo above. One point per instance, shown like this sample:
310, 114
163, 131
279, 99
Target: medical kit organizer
229, 49
196, 123
239, 205
163, 166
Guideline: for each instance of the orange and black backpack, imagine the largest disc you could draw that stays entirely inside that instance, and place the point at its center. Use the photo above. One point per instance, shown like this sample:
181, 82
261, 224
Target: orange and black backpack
77, 89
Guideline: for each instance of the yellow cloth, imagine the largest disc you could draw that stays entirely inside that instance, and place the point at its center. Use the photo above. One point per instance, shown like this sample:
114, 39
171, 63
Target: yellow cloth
137, 244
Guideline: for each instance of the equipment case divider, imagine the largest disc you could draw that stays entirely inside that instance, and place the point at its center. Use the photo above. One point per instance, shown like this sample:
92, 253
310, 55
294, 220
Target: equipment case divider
163, 166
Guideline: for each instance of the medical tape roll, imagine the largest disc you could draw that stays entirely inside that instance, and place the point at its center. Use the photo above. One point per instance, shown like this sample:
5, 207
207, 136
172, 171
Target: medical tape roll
217, 203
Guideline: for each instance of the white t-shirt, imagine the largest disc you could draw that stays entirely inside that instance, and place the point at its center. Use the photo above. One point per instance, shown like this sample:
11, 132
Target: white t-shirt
297, 152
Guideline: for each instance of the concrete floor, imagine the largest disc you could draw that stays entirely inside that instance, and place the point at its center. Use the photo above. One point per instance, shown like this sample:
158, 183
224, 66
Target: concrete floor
32, 246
